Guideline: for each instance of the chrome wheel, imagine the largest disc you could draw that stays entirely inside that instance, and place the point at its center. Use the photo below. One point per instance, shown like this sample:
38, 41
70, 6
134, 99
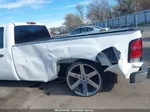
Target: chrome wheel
84, 79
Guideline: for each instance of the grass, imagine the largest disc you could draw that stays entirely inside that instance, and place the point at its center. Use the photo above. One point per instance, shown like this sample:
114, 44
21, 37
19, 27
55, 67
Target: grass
143, 24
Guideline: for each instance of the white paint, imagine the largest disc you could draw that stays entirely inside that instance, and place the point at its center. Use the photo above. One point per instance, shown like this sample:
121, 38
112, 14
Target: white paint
37, 61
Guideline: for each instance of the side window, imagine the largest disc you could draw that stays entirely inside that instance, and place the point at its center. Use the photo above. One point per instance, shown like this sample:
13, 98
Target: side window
84, 30
77, 31
90, 29
1, 37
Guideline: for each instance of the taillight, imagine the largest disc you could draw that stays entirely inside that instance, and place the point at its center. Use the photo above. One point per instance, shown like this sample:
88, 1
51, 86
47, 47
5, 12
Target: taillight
135, 50
31, 22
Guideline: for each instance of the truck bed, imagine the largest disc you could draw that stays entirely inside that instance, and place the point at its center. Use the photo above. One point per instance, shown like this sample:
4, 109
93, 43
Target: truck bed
36, 58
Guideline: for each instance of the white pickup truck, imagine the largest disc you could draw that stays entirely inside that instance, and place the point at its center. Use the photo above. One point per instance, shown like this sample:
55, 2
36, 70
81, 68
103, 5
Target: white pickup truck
27, 53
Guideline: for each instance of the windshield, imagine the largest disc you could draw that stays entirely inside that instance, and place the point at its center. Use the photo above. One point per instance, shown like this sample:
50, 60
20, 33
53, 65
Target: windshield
30, 33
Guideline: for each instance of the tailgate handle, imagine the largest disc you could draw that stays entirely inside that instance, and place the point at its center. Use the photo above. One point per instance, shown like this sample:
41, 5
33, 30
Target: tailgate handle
1, 55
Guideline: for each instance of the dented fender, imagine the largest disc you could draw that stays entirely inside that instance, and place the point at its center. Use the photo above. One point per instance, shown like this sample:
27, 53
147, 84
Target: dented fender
109, 56
39, 62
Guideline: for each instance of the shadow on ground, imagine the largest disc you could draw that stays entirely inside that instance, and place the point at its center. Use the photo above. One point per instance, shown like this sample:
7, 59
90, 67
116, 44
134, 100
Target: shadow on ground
56, 87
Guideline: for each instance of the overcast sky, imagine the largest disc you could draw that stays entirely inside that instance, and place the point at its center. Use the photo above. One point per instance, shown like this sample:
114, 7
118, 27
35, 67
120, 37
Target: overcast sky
49, 12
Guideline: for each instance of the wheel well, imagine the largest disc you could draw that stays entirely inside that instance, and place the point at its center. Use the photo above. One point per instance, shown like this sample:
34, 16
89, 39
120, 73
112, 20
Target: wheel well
65, 63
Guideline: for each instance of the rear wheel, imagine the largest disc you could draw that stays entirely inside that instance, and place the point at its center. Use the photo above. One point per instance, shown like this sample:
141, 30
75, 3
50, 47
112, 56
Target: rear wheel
84, 78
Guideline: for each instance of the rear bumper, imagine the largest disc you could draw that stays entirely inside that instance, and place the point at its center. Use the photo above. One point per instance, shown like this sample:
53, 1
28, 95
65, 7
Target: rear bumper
139, 76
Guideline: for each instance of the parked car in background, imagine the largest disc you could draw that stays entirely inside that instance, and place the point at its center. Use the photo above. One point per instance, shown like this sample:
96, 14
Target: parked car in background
87, 30
56, 32
64, 32
52, 33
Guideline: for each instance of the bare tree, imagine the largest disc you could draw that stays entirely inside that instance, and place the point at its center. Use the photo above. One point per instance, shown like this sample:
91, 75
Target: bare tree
99, 10
53, 29
124, 7
143, 4
80, 12
72, 20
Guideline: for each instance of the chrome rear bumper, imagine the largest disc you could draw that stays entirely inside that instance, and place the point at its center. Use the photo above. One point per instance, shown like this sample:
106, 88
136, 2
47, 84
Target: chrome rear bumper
139, 76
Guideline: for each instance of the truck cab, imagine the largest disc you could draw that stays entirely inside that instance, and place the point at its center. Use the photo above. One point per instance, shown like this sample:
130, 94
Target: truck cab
14, 34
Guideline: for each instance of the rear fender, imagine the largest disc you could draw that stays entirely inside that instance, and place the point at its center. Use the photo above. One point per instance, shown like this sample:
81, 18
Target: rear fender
108, 57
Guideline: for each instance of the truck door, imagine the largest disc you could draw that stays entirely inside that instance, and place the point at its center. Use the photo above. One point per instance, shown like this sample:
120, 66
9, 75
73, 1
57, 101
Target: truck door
2, 54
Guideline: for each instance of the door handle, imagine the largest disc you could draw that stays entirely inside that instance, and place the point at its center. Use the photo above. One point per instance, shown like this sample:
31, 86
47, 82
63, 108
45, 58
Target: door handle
1, 55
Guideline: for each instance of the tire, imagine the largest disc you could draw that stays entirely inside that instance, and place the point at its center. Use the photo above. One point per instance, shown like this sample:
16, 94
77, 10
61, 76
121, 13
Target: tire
84, 79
